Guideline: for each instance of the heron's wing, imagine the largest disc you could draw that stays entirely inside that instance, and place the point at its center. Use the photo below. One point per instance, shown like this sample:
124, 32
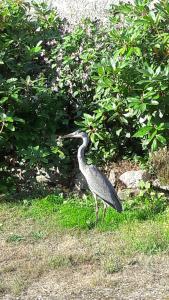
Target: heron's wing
101, 186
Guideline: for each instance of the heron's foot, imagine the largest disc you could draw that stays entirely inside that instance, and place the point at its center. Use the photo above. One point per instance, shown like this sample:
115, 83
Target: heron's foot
90, 224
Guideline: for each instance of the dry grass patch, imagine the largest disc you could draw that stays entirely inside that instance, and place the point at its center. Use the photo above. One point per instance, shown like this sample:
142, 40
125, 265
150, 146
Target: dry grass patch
20, 267
159, 165
3, 287
72, 263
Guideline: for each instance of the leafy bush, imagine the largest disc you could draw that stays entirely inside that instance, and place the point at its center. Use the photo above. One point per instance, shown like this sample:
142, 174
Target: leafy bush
131, 106
28, 105
45, 80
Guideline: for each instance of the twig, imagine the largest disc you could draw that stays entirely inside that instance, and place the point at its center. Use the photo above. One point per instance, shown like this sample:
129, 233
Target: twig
2, 127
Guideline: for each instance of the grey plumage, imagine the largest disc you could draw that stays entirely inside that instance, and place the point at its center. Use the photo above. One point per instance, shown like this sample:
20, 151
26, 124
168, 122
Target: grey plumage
98, 183
102, 187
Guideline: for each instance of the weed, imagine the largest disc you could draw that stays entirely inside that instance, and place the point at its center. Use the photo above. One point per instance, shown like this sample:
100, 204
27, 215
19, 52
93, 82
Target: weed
37, 235
59, 261
15, 238
112, 264
148, 203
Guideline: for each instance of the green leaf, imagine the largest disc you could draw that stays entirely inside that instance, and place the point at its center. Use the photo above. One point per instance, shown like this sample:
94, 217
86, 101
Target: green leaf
118, 131
36, 148
152, 135
9, 119
113, 63
14, 96
10, 127
87, 116
16, 119
137, 51
101, 70
3, 100
123, 120
154, 145
28, 80
158, 71
142, 131
10, 80
161, 139
92, 137
99, 136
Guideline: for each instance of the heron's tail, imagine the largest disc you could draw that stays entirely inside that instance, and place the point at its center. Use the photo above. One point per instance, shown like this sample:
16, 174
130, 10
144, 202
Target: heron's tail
116, 204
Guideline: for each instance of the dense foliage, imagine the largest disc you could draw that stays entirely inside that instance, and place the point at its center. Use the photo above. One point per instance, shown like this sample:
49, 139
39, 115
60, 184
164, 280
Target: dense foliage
111, 81
30, 111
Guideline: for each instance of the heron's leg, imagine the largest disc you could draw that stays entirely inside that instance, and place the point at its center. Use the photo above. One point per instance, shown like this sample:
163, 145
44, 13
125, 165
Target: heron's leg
104, 210
97, 207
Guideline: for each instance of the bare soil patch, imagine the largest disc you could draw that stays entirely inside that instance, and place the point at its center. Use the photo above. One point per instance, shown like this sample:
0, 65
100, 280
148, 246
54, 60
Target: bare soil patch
79, 266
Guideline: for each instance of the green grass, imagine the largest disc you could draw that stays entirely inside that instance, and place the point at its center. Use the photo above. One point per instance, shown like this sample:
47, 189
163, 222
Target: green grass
141, 229
80, 214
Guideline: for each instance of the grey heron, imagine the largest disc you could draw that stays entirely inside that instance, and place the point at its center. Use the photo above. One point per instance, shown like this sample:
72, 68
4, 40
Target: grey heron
98, 183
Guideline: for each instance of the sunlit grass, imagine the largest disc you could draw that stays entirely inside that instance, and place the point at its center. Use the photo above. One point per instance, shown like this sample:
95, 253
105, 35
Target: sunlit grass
80, 213
140, 229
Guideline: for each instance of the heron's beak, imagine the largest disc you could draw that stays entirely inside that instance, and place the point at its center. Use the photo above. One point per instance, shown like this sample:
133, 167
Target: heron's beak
70, 135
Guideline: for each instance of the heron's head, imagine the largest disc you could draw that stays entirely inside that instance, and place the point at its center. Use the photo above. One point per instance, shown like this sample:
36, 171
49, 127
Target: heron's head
76, 134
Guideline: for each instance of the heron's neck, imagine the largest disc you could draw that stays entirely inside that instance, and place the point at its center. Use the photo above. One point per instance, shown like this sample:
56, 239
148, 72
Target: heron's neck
80, 154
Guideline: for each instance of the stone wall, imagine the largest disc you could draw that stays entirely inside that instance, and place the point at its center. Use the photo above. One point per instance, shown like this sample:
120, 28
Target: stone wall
75, 10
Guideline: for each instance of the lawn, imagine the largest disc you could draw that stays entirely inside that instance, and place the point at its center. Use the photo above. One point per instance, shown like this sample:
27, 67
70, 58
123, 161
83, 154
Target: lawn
57, 235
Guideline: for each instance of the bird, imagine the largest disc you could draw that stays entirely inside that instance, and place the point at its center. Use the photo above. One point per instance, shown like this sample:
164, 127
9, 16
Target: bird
97, 182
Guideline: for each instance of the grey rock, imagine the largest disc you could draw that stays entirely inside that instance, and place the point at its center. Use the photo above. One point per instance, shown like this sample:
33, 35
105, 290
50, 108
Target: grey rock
132, 178
112, 177
42, 179
156, 183
42, 176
